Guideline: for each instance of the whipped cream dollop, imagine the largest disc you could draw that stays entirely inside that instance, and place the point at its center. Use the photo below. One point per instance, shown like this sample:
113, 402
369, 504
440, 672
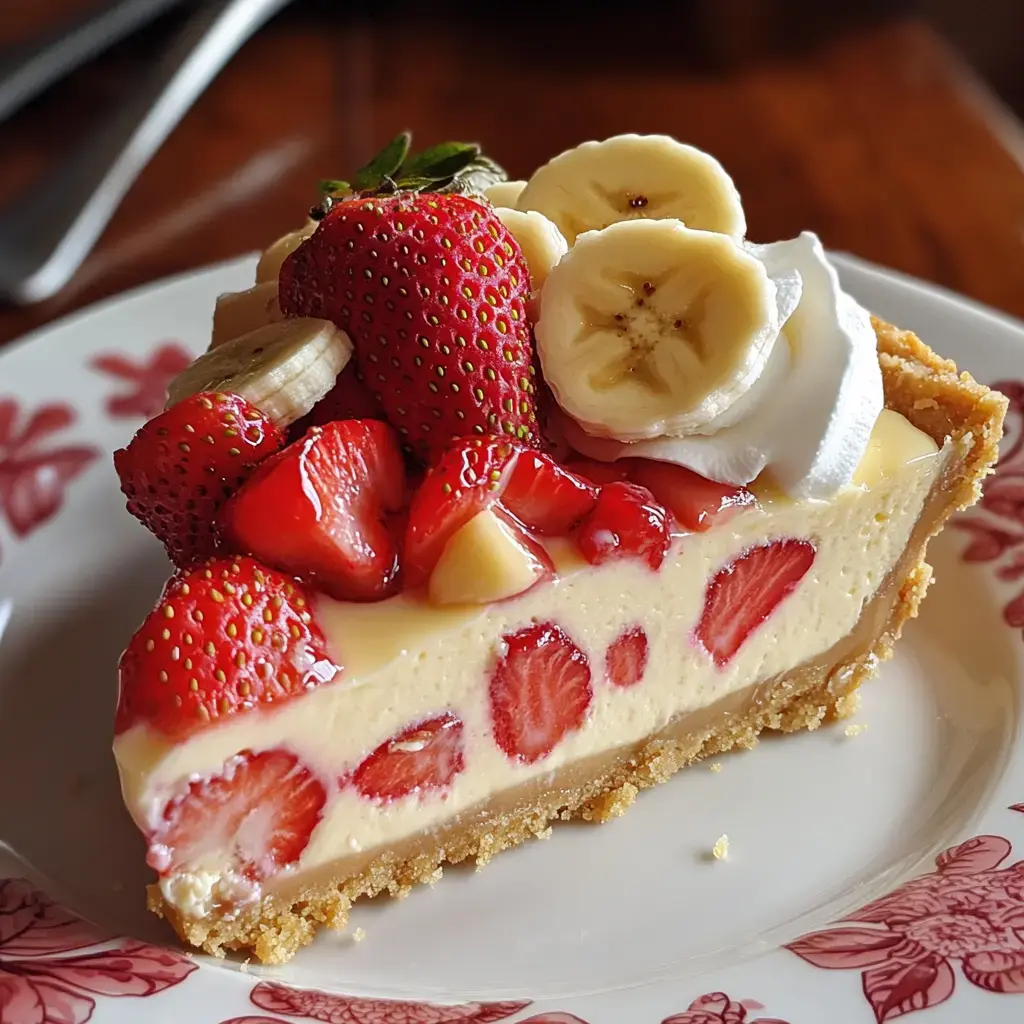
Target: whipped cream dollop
808, 418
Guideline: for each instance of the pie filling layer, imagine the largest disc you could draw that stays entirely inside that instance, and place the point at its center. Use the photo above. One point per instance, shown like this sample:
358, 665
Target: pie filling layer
405, 662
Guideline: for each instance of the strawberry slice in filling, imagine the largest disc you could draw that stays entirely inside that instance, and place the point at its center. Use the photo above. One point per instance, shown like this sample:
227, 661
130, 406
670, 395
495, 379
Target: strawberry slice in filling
256, 818
540, 691
423, 758
742, 594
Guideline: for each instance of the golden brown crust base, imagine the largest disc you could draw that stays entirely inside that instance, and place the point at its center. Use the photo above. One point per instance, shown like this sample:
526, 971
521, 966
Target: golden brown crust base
934, 397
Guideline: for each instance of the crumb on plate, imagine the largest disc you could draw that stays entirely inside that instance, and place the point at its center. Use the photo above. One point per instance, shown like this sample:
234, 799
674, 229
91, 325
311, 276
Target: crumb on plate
358, 935
720, 851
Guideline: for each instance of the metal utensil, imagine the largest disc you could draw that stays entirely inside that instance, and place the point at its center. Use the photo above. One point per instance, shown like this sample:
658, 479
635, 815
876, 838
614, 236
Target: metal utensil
47, 233
28, 68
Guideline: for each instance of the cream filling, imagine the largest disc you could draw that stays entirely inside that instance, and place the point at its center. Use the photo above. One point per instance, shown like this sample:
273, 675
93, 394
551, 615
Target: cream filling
405, 660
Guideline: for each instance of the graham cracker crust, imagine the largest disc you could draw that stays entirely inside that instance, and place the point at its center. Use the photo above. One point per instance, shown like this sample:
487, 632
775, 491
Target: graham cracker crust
922, 386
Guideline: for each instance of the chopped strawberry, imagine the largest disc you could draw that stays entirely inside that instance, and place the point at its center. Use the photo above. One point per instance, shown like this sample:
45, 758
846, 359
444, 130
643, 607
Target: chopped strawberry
468, 479
258, 816
182, 465
625, 661
598, 472
545, 496
225, 637
420, 759
318, 509
626, 523
477, 473
432, 290
540, 691
742, 594
694, 500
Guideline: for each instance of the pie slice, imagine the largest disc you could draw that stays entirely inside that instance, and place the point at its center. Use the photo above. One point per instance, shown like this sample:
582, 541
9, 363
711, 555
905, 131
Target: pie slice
360, 672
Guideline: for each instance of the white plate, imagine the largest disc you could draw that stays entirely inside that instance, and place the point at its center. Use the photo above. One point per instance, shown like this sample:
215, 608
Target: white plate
633, 922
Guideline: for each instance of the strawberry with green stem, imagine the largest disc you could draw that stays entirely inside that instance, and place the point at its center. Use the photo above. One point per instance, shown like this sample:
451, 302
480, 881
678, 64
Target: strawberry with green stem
431, 287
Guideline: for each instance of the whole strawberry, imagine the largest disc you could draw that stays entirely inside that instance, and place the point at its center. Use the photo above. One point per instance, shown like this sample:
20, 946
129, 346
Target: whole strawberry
431, 287
226, 637
182, 465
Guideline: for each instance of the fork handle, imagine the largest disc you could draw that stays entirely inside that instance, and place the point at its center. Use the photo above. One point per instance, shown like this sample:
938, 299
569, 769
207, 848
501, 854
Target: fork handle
27, 69
48, 232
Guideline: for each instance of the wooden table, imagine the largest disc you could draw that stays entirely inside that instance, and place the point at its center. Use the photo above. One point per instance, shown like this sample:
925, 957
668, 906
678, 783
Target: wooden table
876, 135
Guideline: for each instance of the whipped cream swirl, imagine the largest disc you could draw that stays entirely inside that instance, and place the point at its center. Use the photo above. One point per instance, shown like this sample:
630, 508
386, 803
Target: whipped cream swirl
808, 418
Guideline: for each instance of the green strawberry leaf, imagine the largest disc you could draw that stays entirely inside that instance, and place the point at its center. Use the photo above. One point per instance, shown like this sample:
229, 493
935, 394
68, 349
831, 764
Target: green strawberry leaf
457, 167
442, 161
416, 184
385, 164
479, 176
327, 186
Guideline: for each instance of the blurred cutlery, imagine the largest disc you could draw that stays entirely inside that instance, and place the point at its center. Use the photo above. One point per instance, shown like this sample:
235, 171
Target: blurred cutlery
47, 233
26, 69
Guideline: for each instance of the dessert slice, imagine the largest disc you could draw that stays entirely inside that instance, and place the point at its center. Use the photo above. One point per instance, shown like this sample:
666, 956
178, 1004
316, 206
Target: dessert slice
372, 662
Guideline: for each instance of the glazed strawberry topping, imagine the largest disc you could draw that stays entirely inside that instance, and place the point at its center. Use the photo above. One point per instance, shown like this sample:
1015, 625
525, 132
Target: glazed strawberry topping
224, 638
319, 509
540, 691
626, 658
256, 817
742, 594
626, 523
468, 479
425, 757
545, 496
431, 288
475, 474
182, 465
698, 503
598, 472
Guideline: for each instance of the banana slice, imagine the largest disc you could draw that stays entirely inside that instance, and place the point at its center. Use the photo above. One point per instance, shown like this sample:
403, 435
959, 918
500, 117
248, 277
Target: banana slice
504, 193
542, 243
649, 328
283, 369
238, 313
628, 177
269, 266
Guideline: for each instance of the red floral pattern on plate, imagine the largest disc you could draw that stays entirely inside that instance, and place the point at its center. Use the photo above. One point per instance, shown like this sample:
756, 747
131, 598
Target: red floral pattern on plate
147, 377
996, 524
41, 984
905, 943
341, 1009
557, 1017
32, 476
718, 1008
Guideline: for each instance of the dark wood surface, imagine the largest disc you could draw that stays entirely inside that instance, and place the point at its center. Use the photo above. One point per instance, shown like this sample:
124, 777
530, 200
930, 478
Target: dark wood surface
875, 134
